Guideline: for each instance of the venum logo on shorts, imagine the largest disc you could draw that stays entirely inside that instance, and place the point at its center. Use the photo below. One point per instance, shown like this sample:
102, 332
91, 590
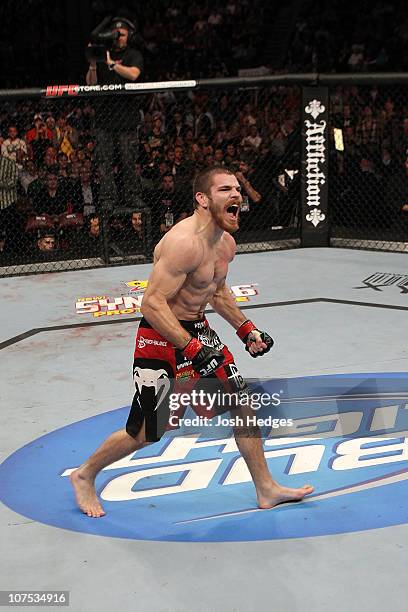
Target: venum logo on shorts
142, 342
349, 438
158, 379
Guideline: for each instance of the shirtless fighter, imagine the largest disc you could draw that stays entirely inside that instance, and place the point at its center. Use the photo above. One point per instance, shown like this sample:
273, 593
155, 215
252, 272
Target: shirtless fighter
189, 272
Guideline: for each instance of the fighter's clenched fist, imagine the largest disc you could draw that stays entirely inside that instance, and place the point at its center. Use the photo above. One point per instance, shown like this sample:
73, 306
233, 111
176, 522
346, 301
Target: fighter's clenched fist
256, 342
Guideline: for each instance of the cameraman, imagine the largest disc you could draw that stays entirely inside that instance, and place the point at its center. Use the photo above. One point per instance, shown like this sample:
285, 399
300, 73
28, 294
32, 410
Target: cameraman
123, 62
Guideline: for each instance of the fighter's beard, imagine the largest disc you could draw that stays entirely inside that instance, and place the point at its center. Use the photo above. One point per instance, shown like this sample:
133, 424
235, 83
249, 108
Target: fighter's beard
224, 223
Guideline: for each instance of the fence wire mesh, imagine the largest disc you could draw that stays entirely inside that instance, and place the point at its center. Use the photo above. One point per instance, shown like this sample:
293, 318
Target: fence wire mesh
98, 181
368, 177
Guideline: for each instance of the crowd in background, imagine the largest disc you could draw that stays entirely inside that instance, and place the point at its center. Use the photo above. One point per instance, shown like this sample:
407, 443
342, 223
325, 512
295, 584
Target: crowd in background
359, 36
210, 38
55, 170
54, 148
369, 178
178, 38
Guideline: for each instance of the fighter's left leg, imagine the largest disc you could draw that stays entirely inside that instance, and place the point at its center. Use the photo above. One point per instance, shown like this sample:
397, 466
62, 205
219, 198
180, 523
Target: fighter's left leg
248, 438
249, 442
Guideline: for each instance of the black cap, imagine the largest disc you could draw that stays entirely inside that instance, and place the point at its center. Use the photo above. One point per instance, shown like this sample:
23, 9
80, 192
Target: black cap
122, 23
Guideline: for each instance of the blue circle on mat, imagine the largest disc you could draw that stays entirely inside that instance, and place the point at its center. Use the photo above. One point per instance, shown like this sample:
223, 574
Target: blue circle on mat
193, 485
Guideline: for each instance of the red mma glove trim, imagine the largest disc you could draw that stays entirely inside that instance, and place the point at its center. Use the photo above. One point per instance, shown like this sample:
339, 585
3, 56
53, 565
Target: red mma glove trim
245, 329
192, 347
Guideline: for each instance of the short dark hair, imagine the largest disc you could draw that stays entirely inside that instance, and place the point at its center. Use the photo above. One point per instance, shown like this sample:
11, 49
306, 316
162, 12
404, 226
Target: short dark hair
46, 233
202, 180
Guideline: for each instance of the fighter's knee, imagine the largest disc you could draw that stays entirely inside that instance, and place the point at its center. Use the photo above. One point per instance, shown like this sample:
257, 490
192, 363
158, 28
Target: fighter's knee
137, 434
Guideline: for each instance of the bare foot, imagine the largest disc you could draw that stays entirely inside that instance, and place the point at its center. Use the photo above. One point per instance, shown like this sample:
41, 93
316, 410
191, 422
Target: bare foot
278, 495
86, 495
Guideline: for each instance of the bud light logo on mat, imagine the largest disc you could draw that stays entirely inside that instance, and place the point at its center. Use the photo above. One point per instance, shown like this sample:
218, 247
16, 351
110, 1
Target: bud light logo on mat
345, 434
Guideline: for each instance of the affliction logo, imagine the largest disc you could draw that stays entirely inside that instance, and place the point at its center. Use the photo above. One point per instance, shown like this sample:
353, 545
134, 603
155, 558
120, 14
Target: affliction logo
315, 134
379, 280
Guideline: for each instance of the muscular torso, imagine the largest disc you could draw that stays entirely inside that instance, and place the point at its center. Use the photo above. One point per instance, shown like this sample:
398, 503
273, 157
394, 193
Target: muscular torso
201, 283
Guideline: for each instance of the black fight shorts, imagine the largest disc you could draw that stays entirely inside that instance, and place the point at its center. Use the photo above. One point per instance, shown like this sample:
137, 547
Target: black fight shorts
160, 369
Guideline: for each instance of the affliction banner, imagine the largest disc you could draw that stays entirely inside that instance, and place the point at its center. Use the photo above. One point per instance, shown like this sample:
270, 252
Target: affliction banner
315, 153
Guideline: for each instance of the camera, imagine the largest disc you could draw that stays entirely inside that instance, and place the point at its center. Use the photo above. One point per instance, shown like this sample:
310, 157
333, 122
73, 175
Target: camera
103, 37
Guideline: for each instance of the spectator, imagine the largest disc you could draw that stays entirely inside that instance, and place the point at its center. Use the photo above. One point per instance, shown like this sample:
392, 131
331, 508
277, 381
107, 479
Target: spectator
253, 140
137, 224
156, 137
28, 174
38, 138
387, 166
366, 130
90, 240
46, 241
52, 127
14, 148
74, 171
52, 199
134, 234
36, 187
8, 190
50, 160
180, 167
63, 165
250, 217
177, 126
219, 157
356, 59
13, 225
230, 155
140, 184
204, 124
168, 206
86, 194
66, 136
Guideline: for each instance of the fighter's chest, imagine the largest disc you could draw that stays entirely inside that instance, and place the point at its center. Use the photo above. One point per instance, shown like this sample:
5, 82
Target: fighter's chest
210, 271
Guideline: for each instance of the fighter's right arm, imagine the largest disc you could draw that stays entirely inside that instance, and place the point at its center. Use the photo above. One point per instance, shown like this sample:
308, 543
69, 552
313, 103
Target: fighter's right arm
179, 255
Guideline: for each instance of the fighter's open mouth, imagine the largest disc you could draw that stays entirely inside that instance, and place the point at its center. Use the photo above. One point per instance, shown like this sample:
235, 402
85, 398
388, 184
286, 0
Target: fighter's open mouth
234, 208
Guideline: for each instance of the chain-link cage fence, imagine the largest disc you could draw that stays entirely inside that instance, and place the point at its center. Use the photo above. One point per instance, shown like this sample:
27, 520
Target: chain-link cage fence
94, 180
368, 177
99, 180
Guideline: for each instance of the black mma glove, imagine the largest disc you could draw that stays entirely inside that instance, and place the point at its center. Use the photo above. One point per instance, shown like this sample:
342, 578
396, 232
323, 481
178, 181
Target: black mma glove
205, 360
249, 333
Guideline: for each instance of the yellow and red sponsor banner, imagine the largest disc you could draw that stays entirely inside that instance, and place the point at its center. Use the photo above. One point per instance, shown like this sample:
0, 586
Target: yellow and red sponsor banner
130, 303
